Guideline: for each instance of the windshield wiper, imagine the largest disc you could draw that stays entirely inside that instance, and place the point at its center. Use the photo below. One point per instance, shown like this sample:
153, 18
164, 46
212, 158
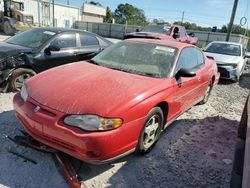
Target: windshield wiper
149, 74
93, 62
136, 72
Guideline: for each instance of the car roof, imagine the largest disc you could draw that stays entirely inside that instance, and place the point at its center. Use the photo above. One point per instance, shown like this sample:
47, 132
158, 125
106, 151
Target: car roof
225, 42
61, 30
170, 43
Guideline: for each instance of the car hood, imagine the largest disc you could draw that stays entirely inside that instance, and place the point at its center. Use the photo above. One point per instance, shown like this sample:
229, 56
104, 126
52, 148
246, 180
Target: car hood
224, 59
84, 88
149, 35
7, 49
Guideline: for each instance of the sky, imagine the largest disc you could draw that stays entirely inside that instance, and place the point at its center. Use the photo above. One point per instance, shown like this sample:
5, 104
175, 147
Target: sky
205, 13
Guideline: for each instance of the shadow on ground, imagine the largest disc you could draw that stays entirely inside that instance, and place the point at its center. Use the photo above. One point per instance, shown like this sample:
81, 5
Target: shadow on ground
188, 154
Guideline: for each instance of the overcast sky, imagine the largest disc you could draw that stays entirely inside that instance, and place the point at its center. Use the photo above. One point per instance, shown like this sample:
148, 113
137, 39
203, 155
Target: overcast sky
201, 12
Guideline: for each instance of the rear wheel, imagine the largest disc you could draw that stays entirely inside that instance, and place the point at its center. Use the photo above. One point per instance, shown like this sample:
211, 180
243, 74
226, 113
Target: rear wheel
151, 131
18, 78
8, 29
207, 94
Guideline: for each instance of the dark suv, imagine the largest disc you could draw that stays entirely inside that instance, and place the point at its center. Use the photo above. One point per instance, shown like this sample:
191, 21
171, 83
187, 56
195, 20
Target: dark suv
33, 51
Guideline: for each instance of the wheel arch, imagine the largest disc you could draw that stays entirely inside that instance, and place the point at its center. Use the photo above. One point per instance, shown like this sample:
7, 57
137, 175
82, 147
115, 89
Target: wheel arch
165, 108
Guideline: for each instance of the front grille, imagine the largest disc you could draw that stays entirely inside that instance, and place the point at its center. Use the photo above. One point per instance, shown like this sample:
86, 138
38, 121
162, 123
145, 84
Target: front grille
223, 72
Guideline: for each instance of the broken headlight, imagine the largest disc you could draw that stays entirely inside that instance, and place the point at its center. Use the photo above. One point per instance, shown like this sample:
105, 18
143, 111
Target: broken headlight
93, 122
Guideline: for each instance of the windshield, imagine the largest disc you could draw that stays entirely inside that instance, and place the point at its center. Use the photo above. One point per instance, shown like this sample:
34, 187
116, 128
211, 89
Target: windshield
162, 29
138, 58
225, 49
33, 38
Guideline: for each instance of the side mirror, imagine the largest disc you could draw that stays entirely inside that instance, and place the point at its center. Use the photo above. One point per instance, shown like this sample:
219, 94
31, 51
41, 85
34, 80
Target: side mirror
246, 56
183, 72
50, 49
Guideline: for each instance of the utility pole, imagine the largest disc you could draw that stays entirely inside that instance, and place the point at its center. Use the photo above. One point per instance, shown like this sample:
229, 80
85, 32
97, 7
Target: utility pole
230, 26
53, 16
182, 18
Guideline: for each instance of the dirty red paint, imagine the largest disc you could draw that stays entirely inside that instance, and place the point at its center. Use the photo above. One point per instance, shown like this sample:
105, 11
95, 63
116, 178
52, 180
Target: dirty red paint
83, 88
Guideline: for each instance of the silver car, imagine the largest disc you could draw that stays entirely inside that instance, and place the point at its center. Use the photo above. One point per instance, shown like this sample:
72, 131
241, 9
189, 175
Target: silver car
229, 57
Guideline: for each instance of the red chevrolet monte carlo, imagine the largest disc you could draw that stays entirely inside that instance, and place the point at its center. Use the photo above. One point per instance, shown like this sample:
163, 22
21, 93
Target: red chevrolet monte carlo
118, 102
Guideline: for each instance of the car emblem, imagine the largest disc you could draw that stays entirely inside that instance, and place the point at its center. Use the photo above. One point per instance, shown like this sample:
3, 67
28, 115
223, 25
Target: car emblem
37, 108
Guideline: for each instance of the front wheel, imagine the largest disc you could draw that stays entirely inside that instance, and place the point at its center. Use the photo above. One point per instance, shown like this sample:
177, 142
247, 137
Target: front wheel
207, 94
151, 131
18, 78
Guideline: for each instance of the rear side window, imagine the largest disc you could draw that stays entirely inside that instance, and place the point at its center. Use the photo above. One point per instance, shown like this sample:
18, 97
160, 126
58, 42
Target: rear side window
67, 40
88, 40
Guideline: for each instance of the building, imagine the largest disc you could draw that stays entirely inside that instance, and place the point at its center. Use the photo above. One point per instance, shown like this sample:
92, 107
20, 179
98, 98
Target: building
42, 11
93, 13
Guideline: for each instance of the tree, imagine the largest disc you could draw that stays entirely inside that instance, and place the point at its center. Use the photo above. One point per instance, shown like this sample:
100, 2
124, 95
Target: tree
236, 29
130, 14
109, 16
193, 26
95, 3
159, 21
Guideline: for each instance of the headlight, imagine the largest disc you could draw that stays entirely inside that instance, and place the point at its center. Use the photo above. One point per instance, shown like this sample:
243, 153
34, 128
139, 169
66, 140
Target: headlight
93, 122
24, 93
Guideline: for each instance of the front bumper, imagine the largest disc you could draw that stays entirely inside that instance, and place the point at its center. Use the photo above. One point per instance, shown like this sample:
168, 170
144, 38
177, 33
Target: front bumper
93, 147
228, 72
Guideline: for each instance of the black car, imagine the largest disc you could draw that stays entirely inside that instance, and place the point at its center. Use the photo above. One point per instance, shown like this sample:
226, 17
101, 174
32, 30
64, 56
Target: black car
33, 51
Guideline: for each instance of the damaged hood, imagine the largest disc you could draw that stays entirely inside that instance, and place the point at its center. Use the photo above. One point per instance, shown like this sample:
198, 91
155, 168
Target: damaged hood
84, 88
7, 50
224, 59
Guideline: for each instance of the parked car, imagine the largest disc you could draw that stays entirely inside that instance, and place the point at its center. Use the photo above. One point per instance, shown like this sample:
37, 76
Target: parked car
230, 58
33, 51
165, 32
117, 102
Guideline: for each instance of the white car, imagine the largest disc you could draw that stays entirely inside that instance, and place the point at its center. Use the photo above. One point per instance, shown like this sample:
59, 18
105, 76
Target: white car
229, 57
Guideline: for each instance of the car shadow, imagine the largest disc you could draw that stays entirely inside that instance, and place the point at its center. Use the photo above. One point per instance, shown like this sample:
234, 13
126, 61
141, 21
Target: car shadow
184, 155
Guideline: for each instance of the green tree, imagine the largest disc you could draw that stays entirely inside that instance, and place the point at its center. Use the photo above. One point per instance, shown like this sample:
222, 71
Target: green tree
193, 26
236, 29
159, 21
95, 3
130, 14
109, 16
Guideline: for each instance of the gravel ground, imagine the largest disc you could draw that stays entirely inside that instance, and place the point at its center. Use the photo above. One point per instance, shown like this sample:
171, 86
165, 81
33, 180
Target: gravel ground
195, 151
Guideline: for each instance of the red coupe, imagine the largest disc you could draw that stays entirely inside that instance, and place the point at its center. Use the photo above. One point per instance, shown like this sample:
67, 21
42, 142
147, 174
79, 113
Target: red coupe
118, 102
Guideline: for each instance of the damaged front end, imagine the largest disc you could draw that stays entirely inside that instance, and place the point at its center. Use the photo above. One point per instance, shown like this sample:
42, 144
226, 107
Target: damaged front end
228, 71
7, 65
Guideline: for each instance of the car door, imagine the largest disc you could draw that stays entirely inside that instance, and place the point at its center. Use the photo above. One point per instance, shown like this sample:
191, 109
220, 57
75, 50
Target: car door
89, 46
67, 53
186, 89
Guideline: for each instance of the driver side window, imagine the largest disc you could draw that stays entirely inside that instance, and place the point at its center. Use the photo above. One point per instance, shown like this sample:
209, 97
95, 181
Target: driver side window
67, 40
188, 59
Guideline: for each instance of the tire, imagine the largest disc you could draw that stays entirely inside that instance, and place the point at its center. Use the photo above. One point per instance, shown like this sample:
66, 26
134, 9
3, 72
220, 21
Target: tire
18, 77
151, 131
7, 28
207, 94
